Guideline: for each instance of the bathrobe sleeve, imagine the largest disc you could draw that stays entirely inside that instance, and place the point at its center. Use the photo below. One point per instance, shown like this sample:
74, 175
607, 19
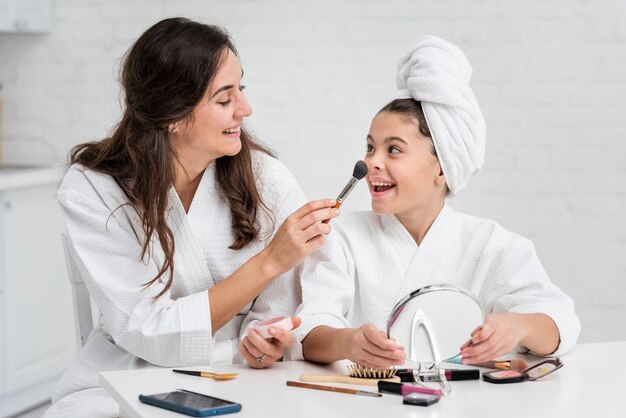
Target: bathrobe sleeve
328, 286
515, 281
282, 195
107, 248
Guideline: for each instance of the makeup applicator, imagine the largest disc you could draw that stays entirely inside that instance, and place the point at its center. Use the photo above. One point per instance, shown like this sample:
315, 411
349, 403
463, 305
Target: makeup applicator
360, 170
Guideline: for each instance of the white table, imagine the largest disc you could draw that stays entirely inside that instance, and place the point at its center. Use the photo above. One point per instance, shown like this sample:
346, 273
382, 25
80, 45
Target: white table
592, 383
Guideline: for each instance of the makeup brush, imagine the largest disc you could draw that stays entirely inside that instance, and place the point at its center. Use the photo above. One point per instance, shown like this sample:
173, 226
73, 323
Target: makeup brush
510, 364
360, 170
514, 364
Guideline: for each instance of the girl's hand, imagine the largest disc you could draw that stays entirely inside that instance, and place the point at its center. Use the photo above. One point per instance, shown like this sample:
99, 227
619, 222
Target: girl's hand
370, 347
499, 335
299, 235
260, 353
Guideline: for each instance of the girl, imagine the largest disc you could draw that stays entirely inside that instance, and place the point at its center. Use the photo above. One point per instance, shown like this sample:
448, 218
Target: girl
420, 148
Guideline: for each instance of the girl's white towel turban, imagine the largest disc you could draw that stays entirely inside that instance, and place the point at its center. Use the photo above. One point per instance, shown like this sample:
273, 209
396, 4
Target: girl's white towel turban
437, 74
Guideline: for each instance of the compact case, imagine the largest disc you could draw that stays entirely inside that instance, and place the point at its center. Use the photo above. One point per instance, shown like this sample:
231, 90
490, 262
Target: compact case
534, 372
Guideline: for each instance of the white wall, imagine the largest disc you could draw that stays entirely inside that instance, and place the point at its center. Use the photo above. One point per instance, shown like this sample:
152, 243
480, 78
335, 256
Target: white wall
550, 75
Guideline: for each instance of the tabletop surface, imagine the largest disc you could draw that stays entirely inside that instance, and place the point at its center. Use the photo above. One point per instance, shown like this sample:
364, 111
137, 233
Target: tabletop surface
589, 384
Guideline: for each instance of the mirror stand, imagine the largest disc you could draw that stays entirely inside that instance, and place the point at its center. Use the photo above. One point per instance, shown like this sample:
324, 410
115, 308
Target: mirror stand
431, 373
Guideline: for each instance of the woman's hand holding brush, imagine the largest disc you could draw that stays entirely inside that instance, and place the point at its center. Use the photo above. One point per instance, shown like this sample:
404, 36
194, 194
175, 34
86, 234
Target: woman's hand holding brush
299, 235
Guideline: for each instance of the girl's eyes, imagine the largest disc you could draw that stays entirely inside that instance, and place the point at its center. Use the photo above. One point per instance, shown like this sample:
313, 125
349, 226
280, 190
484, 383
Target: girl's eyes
392, 149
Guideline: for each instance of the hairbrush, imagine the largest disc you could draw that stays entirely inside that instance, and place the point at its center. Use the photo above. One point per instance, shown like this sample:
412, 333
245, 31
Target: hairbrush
357, 375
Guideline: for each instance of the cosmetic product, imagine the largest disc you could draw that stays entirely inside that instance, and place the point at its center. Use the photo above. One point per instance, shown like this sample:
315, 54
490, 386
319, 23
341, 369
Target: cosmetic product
534, 372
359, 171
403, 389
332, 389
340, 378
512, 364
420, 399
410, 375
216, 376
283, 322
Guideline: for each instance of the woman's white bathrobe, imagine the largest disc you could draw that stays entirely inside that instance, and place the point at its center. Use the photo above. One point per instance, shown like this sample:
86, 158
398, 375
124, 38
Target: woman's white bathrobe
106, 235
370, 262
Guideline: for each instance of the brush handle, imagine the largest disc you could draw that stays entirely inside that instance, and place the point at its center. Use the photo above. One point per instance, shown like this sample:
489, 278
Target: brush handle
340, 378
332, 389
335, 206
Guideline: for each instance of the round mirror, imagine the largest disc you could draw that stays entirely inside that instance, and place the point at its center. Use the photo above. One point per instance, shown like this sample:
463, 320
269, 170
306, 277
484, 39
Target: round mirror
432, 322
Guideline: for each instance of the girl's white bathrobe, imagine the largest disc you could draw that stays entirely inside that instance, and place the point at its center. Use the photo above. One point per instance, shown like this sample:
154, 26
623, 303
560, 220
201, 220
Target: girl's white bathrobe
133, 331
370, 262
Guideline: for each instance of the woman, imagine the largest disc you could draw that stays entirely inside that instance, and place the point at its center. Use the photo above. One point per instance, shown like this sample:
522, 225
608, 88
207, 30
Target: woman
174, 219
420, 148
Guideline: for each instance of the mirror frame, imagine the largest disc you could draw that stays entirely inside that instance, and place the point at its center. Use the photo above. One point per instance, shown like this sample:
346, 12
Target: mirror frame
421, 291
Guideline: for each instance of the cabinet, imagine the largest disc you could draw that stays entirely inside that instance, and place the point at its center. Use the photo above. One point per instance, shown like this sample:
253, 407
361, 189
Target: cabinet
25, 15
36, 319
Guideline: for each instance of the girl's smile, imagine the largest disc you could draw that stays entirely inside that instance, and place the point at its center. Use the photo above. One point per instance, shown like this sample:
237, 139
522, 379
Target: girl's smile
379, 186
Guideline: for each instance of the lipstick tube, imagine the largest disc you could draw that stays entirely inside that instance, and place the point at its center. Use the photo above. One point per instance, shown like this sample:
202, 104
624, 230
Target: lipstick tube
401, 389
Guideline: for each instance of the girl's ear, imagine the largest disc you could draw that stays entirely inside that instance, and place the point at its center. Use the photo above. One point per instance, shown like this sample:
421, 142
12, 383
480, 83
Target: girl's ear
441, 178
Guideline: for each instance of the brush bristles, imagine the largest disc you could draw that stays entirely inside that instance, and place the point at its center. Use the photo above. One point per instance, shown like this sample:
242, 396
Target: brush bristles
356, 370
360, 170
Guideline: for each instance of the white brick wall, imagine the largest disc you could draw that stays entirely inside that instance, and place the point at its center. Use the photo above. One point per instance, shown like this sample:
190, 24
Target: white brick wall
550, 75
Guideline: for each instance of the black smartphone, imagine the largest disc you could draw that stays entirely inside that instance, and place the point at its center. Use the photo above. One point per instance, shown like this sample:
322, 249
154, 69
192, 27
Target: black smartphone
191, 403
421, 399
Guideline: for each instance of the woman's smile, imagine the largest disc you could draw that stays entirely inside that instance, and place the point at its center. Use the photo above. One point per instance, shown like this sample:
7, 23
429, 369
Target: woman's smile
232, 133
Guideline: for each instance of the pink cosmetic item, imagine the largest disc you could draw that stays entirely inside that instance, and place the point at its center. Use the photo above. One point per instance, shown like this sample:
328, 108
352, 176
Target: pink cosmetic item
403, 389
283, 322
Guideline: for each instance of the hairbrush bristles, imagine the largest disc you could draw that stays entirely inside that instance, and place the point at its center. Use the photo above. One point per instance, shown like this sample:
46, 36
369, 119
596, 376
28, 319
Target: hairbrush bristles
360, 170
356, 370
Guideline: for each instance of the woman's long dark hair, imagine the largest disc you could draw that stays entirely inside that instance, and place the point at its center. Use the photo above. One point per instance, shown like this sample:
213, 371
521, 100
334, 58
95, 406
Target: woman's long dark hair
164, 76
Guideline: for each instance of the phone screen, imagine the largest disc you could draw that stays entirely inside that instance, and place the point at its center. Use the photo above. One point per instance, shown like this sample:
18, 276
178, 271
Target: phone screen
191, 403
